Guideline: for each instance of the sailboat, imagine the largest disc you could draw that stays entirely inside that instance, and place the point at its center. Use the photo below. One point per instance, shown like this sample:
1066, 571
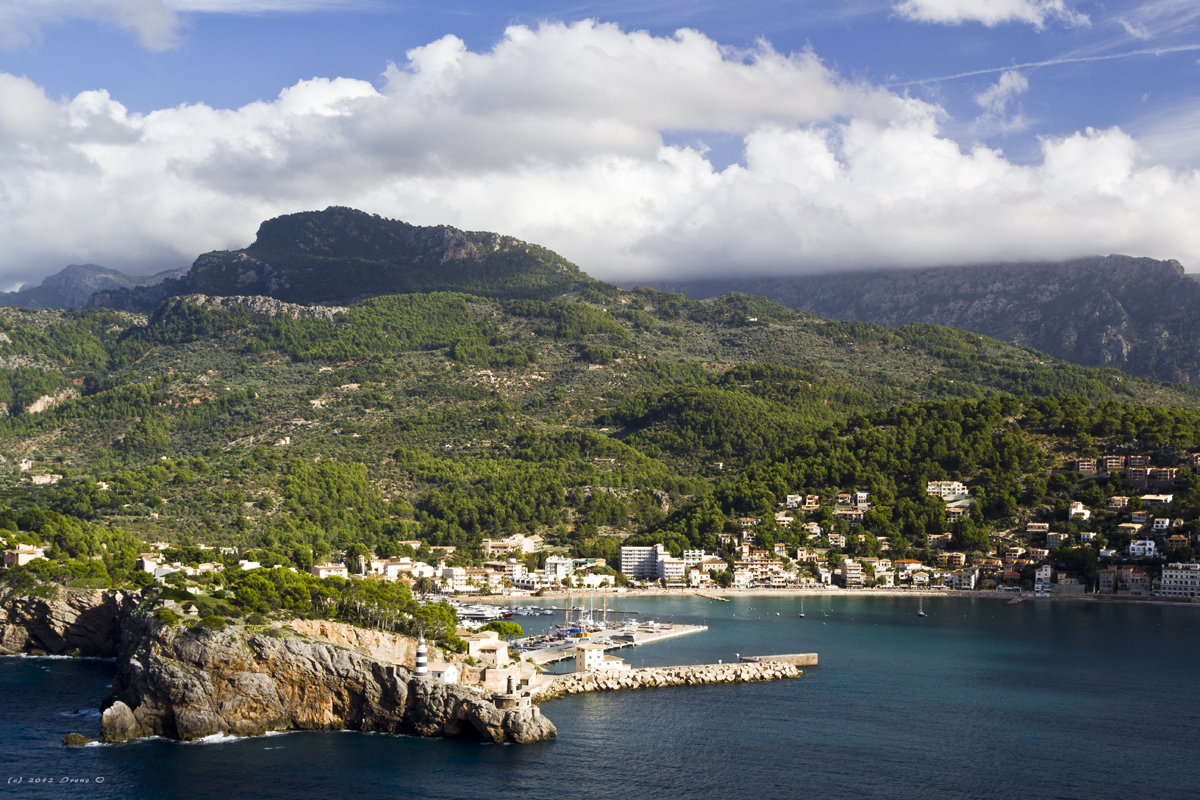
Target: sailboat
921, 607
802, 608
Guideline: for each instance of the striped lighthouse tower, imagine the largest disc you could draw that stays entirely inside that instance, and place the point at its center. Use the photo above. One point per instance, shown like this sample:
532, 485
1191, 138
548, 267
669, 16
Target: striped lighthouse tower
422, 658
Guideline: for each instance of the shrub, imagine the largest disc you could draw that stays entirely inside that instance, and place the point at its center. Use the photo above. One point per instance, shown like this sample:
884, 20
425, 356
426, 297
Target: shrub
168, 617
213, 623
256, 619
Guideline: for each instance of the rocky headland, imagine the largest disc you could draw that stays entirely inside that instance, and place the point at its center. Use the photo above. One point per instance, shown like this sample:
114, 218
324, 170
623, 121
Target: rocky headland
187, 683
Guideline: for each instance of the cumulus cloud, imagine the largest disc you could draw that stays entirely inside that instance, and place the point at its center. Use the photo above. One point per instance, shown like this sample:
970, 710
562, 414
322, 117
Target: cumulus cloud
556, 136
991, 12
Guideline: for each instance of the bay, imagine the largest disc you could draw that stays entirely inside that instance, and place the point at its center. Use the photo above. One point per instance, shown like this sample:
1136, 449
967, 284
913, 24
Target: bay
1042, 699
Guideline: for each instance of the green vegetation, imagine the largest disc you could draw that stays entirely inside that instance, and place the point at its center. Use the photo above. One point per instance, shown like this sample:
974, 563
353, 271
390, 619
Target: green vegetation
415, 422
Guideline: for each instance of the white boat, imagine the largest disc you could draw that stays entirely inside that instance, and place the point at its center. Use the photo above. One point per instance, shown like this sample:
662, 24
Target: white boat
921, 607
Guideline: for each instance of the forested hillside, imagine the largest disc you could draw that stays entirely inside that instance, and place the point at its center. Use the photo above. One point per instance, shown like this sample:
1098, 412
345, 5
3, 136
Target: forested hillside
445, 418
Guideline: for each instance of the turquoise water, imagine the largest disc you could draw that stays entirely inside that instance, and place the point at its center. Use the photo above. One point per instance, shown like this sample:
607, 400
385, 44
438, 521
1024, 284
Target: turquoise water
979, 699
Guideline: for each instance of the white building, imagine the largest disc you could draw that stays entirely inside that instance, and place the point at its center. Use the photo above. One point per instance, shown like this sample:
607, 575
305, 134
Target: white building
454, 579
693, 557
1160, 524
531, 581
641, 563
1181, 580
329, 571
1143, 548
851, 573
592, 580
671, 569
963, 579
590, 657
559, 568
446, 673
1077, 511
947, 490
1041, 578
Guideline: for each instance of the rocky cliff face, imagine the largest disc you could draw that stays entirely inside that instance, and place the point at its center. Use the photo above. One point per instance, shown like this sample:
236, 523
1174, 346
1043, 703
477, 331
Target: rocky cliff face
1136, 314
188, 684
72, 623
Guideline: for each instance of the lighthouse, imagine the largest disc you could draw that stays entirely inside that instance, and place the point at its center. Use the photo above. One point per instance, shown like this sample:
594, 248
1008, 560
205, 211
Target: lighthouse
422, 666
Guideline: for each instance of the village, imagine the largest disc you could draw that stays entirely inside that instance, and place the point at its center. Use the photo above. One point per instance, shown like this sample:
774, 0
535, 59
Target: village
1126, 545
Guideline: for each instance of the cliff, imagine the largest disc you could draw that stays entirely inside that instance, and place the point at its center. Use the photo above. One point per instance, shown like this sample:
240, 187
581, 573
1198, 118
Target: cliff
341, 255
188, 683
72, 623
1139, 315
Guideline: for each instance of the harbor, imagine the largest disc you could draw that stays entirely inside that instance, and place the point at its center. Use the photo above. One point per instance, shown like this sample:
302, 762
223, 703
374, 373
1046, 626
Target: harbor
592, 622
563, 644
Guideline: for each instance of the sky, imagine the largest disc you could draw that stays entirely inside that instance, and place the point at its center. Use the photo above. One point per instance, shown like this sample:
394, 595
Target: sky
659, 139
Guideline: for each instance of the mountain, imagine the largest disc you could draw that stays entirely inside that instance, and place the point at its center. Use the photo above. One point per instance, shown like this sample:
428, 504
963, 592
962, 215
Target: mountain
1139, 315
340, 256
74, 286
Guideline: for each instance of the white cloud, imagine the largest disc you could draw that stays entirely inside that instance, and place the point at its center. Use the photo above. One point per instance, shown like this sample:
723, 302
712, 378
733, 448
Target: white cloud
1157, 18
555, 136
992, 12
156, 23
995, 101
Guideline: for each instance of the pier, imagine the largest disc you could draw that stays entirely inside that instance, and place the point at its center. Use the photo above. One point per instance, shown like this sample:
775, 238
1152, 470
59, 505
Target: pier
612, 639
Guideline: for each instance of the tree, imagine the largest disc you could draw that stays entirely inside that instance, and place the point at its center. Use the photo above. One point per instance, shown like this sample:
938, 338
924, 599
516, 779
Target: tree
507, 630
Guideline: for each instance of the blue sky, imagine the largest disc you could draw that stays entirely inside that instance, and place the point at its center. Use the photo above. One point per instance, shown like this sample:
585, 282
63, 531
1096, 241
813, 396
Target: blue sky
780, 137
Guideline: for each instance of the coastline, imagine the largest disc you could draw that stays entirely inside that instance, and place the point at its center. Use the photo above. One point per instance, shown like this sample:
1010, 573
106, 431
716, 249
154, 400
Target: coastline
829, 592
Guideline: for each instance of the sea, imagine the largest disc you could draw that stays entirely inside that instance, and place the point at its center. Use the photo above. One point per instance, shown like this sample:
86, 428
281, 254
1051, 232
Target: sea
978, 699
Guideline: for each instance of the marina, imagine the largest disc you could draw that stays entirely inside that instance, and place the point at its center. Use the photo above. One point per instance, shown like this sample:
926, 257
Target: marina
593, 623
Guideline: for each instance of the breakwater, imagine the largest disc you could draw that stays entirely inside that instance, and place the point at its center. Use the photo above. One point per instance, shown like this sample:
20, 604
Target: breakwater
653, 677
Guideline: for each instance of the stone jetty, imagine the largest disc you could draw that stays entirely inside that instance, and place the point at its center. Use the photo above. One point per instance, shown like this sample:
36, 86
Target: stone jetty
652, 677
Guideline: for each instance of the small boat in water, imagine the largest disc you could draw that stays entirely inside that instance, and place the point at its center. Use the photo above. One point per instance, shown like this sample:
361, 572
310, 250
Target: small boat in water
921, 607
802, 609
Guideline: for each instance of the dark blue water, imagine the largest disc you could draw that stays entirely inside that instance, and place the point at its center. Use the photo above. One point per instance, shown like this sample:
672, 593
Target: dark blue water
979, 699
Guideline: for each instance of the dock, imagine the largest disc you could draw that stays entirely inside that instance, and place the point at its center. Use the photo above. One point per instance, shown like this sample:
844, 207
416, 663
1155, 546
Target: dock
712, 597
614, 639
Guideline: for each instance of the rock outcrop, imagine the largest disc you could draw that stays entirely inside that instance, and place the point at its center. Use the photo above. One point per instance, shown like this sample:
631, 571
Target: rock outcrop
71, 622
190, 683
378, 645
261, 304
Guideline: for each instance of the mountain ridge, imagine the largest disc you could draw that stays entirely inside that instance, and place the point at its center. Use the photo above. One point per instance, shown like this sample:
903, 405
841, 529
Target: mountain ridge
74, 286
1139, 315
340, 255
